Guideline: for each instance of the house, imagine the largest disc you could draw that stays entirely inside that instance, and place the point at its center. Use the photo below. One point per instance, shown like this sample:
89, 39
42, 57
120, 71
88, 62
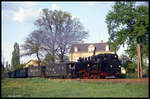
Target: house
86, 50
33, 63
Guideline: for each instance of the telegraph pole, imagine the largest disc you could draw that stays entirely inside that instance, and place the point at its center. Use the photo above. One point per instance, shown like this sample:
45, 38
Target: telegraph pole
140, 73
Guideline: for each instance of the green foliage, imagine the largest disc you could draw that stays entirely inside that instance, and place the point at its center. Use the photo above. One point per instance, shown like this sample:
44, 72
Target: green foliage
128, 24
21, 65
145, 71
49, 59
132, 75
7, 67
127, 63
2, 68
15, 62
132, 67
30, 66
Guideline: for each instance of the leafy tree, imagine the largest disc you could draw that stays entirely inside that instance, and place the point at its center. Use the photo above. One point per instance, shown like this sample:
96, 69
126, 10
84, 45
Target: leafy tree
132, 67
22, 65
7, 66
125, 60
60, 30
128, 64
16, 57
2, 68
48, 59
32, 45
128, 24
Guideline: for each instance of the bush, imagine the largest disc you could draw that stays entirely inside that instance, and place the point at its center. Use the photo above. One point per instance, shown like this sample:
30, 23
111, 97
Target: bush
132, 67
131, 75
135, 75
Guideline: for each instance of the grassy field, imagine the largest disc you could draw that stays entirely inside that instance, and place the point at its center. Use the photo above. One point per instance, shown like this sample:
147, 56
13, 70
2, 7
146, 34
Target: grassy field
40, 87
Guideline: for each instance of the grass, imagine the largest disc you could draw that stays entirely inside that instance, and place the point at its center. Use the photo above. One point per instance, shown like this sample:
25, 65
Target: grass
40, 87
134, 75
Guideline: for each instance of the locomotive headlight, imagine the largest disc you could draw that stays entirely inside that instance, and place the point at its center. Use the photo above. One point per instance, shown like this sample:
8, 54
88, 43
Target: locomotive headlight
111, 66
119, 66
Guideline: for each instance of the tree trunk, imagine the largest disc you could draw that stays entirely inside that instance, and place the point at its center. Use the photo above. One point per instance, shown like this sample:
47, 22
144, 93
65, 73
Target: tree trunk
39, 61
140, 72
53, 60
61, 58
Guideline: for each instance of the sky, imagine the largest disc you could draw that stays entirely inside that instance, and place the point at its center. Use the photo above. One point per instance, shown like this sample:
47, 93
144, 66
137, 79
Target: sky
18, 18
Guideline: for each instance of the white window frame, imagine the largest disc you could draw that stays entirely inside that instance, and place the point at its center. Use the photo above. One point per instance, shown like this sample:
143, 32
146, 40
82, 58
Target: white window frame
91, 48
75, 49
107, 48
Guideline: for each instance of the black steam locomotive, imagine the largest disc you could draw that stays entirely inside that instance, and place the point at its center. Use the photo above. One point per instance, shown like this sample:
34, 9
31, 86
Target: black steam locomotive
96, 66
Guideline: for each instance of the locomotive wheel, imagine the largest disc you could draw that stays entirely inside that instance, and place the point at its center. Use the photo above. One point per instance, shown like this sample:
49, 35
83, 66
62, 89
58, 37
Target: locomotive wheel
85, 75
95, 76
92, 76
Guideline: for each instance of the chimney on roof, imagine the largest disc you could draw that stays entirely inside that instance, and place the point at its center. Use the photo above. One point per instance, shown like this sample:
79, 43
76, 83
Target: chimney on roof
102, 41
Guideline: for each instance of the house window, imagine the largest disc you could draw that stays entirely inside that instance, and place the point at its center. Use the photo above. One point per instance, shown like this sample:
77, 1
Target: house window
75, 49
107, 48
91, 48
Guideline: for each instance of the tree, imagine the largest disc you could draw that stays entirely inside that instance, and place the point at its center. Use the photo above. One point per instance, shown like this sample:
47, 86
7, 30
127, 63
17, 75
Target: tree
129, 24
48, 59
60, 30
7, 66
2, 68
32, 45
128, 64
16, 57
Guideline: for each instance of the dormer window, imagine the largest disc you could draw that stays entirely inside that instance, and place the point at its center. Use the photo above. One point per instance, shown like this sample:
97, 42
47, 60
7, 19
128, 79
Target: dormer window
107, 48
75, 49
91, 48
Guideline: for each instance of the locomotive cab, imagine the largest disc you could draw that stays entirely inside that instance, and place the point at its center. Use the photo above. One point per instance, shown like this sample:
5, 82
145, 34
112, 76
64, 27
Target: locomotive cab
112, 65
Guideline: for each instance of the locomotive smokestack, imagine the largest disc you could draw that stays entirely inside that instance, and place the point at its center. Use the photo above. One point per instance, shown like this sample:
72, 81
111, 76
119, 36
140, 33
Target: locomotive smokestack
94, 51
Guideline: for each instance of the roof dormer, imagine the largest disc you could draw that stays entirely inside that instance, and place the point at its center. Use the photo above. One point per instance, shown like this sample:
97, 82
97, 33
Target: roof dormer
91, 48
107, 47
75, 49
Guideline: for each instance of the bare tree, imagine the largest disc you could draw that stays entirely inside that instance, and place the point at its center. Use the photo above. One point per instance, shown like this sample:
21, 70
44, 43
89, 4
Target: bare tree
60, 30
32, 45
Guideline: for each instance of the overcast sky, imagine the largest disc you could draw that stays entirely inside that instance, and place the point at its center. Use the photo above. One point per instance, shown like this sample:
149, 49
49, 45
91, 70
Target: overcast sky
18, 19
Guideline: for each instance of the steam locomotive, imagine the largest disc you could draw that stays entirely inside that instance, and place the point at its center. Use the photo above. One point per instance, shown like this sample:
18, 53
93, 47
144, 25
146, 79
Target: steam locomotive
96, 66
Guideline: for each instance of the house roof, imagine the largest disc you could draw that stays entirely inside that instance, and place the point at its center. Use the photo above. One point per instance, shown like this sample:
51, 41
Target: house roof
84, 47
34, 61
